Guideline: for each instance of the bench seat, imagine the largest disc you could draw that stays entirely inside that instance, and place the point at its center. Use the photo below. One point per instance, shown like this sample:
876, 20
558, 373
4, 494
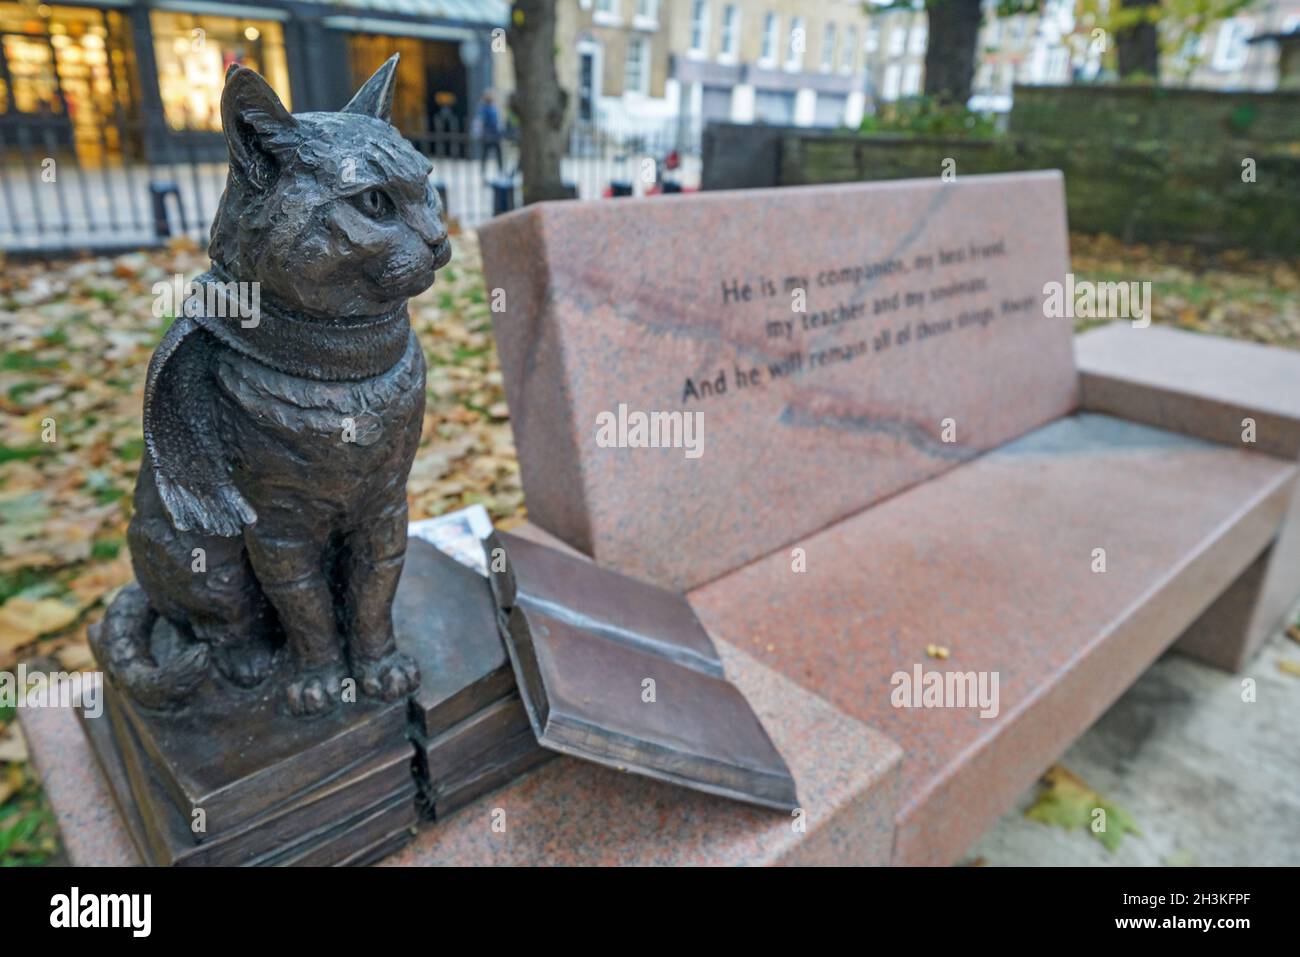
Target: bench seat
993, 561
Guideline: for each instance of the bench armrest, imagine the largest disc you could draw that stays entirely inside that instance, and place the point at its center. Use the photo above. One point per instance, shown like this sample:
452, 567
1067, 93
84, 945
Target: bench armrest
1192, 383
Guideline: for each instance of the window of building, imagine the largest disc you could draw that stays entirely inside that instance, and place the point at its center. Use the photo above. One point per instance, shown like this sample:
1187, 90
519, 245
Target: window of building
771, 31
1058, 65
646, 15
829, 109
589, 69
730, 32
699, 26
774, 106
918, 36
849, 51
897, 41
893, 79
76, 66
1193, 48
193, 53
715, 103
871, 39
1017, 31
1230, 50
912, 79
636, 72
428, 88
798, 43
606, 12
828, 48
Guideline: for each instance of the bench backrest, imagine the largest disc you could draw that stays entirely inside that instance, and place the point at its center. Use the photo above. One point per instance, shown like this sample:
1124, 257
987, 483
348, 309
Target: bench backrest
831, 344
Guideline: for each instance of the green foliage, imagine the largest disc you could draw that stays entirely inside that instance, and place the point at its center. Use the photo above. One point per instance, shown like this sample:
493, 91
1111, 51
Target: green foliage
27, 830
926, 116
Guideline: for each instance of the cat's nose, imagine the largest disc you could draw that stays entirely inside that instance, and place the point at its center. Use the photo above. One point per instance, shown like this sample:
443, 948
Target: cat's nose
431, 230
440, 245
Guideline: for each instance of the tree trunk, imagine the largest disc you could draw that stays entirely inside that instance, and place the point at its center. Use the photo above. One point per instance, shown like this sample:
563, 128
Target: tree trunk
950, 53
538, 99
1137, 47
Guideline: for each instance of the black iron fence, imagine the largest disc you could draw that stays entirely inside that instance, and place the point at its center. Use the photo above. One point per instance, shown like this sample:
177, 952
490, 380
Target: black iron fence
139, 185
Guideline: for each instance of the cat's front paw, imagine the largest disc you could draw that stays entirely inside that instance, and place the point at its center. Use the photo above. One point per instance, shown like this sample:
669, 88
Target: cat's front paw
388, 678
315, 690
247, 664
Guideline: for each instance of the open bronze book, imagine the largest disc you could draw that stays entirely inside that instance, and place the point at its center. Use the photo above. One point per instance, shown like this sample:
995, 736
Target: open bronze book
622, 673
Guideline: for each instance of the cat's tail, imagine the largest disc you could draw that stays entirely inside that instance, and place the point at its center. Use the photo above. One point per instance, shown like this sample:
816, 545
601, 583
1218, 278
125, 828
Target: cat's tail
121, 646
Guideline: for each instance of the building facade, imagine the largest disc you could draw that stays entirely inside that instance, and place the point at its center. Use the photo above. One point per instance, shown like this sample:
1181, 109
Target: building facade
1054, 46
1223, 58
638, 63
143, 78
773, 62
1043, 48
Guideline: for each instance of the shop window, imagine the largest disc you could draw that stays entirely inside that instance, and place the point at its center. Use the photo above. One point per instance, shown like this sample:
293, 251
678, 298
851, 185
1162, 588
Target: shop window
193, 54
75, 66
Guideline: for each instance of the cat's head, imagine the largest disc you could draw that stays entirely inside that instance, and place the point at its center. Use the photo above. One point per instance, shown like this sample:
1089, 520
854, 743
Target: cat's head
333, 213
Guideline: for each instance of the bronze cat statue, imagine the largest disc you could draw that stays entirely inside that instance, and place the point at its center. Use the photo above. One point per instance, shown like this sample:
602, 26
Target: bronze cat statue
270, 511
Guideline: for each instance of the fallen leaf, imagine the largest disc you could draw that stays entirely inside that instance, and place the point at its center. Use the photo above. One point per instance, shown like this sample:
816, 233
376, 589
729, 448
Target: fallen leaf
10, 784
75, 656
100, 579
1066, 801
23, 620
937, 651
13, 747
1289, 667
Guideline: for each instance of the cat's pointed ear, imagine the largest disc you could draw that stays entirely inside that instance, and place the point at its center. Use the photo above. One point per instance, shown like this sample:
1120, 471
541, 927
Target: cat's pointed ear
375, 98
257, 126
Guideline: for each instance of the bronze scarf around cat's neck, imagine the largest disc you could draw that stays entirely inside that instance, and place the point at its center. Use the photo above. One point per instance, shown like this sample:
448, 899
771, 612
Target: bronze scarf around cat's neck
346, 350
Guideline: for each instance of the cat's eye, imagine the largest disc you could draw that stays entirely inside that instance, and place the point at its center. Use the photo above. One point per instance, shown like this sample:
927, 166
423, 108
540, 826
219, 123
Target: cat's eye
374, 202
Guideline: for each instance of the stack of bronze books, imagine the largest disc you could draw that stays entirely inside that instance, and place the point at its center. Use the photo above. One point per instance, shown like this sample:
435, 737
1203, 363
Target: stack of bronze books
253, 785
468, 723
535, 652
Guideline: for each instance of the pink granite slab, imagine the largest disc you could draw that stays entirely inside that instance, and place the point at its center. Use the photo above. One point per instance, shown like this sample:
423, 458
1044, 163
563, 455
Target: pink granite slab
571, 812
994, 562
93, 833
610, 304
1206, 385
1189, 382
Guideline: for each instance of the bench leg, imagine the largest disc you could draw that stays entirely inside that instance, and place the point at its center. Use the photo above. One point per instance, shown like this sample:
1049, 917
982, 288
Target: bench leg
1231, 630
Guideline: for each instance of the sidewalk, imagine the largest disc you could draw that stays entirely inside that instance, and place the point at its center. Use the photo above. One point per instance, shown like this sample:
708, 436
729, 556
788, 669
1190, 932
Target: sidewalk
1209, 779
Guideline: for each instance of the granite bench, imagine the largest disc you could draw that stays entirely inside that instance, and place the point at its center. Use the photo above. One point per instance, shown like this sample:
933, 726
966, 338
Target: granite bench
918, 463
1091, 502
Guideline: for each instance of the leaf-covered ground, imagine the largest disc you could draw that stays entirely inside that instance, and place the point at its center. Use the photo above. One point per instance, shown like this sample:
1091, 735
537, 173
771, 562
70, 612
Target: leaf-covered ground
77, 339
